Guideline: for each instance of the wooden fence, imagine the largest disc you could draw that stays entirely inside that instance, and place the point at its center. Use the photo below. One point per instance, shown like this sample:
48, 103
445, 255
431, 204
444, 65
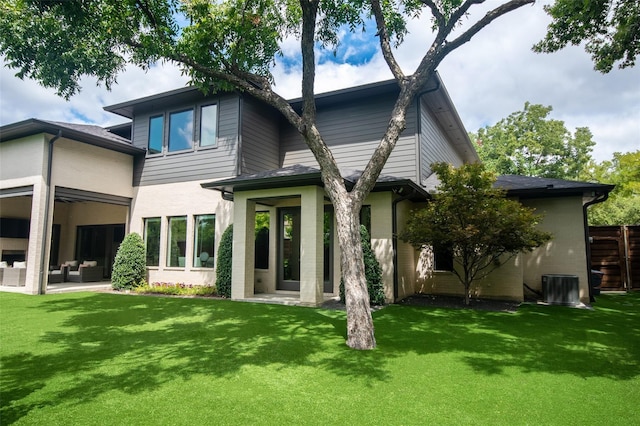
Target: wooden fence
615, 251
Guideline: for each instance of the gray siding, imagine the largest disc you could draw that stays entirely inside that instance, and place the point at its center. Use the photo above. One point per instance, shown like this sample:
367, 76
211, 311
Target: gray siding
200, 164
353, 131
260, 137
434, 146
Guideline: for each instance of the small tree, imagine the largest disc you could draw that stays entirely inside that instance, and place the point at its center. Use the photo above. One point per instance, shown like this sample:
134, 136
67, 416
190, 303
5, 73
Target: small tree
372, 271
224, 263
129, 267
476, 221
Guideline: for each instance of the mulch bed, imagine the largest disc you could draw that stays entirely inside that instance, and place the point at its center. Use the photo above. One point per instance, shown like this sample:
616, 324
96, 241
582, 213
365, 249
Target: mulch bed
458, 303
436, 301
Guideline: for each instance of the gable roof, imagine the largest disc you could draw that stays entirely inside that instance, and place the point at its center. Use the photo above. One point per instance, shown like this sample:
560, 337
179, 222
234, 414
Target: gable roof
299, 175
85, 133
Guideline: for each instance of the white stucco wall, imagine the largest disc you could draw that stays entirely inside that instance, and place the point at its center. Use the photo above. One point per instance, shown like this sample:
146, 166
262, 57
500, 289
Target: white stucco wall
90, 168
566, 252
408, 277
21, 158
179, 199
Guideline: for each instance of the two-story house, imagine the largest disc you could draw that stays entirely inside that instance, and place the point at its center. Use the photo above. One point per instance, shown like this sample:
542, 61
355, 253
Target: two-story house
188, 165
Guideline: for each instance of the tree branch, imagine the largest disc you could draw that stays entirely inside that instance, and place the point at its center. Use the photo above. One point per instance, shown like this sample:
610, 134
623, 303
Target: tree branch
309, 15
385, 44
486, 20
435, 11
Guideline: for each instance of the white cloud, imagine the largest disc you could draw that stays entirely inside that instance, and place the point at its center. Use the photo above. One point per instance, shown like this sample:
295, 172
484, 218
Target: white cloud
488, 78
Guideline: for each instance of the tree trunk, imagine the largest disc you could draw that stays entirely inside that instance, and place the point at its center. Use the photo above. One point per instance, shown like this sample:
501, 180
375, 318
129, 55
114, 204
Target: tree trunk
360, 330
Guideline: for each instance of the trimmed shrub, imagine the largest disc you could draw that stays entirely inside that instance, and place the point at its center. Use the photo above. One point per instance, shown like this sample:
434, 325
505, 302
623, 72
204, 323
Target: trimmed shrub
372, 271
129, 267
224, 263
177, 289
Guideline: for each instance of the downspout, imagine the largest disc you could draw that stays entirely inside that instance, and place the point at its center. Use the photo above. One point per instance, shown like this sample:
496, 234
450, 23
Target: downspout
43, 252
239, 153
598, 199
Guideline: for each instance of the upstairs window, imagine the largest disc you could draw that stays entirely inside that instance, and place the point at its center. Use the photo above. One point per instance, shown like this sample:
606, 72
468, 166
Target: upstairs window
209, 125
156, 130
180, 130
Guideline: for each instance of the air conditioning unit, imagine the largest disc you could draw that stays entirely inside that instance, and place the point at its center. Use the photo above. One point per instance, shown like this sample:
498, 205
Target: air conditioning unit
560, 289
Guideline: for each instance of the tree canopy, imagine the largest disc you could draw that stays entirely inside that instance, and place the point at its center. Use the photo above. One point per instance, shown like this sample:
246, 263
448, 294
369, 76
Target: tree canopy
610, 30
474, 221
529, 143
623, 205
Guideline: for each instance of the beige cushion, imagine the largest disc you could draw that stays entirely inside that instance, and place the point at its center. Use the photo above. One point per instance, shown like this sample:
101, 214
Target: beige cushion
90, 263
20, 264
71, 263
4, 264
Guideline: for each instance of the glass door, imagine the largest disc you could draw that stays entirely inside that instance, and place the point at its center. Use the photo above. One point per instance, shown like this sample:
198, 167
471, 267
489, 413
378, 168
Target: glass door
289, 243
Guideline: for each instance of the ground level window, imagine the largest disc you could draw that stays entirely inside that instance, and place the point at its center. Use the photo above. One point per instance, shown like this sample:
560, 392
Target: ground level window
205, 239
177, 239
443, 258
262, 240
152, 240
365, 218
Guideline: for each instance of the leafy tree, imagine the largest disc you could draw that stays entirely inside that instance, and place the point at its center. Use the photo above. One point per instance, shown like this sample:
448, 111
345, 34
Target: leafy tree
232, 45
468, 215
130, 265
224, 264
372, 271
609, 28
623, 205
531, 144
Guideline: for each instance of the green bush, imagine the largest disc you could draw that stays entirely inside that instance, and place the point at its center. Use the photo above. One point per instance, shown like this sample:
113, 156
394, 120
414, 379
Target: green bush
224, 263
372, 271
129, 267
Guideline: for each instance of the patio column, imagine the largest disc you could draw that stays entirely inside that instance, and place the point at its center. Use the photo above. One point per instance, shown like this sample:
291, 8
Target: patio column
38, 236
312, 254
242, 276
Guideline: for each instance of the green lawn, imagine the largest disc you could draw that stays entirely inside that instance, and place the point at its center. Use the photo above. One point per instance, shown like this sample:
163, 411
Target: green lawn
91, 358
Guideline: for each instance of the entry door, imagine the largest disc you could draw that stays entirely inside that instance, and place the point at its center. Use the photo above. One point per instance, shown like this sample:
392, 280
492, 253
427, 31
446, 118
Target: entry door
289, 243
289, 250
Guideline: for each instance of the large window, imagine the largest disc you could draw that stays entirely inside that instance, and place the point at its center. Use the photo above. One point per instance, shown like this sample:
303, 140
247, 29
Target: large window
205, 240
209, 125
152, 240
156, 132
181, 130
177, 239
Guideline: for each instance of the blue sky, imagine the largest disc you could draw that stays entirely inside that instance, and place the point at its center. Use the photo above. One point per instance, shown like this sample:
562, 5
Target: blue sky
488, 78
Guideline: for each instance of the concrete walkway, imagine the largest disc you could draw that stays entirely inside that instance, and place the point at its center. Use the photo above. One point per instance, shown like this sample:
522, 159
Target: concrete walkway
63, 287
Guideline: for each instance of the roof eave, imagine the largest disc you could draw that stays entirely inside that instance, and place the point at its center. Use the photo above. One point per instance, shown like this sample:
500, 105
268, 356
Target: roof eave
34, 126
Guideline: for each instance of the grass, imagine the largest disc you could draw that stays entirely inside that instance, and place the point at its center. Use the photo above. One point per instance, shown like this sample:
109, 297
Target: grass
91, 358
